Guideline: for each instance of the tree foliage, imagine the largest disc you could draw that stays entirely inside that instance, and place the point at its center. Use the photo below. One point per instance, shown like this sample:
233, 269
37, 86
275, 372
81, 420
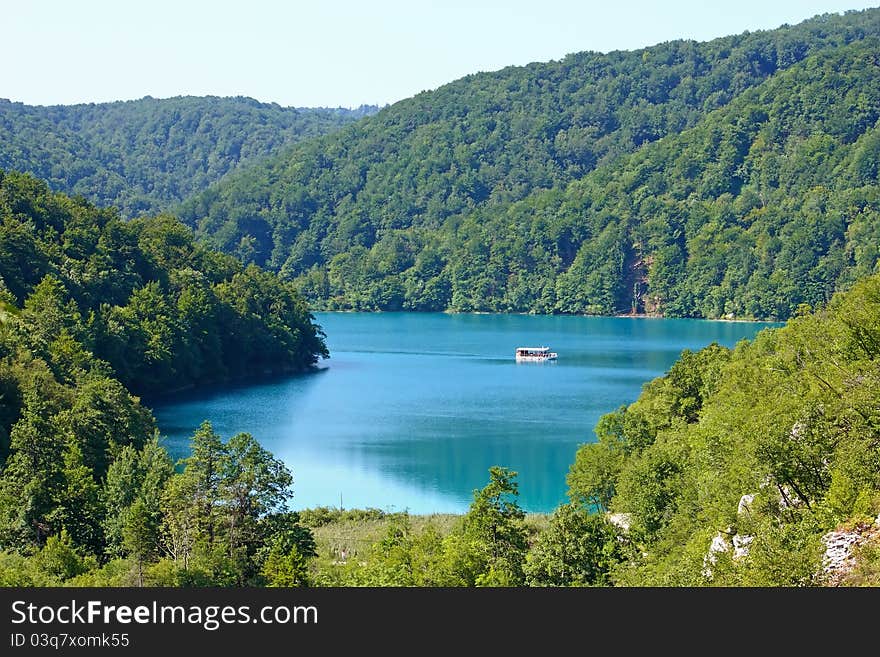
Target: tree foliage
143, 297
144, 156
115, 308
756, 452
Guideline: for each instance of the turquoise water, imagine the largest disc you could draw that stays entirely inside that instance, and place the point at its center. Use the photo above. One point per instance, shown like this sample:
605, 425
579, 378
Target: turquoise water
412, 409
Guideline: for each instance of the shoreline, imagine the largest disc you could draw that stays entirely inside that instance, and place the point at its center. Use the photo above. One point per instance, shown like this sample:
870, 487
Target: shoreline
194, 390
741, 320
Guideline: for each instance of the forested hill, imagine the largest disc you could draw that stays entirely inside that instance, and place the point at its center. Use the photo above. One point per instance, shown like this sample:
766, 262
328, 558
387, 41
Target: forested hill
414, 207
83, 291
146, 155
766, 204
735, 467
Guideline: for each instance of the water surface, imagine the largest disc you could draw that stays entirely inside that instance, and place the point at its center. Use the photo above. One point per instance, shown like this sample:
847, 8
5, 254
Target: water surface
412, 409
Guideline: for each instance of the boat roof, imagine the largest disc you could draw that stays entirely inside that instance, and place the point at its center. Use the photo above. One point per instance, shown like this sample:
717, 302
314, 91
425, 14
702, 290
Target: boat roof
533, 348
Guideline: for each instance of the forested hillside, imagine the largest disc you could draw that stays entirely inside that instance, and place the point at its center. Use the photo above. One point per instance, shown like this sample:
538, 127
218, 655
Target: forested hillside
81, 284
436, 201
758, 452
147, 155
93, 309
766, 204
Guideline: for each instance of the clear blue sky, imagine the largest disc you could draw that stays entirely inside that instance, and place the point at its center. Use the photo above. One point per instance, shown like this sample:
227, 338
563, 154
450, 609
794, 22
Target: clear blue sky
332, 52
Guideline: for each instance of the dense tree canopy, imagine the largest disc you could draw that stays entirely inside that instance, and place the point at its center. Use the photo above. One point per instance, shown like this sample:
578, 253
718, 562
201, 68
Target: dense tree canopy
142, 296
147, 155
93, 308
756, 452
733, 177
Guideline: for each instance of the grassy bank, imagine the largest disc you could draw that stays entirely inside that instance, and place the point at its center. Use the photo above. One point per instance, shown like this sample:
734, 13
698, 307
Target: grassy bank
344, 536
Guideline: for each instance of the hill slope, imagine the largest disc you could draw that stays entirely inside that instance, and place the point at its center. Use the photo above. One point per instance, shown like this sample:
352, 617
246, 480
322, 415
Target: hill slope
759, 453
146, 155
386, 214
78, 283
766, 204
92, 309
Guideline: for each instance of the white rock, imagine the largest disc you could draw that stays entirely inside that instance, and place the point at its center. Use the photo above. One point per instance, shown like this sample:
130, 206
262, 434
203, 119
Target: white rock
620, 520
719, 544
741, 546
745, 503
838, 550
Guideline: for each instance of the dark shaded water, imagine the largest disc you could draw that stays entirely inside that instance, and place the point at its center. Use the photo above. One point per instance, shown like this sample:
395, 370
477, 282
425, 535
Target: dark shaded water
412, 409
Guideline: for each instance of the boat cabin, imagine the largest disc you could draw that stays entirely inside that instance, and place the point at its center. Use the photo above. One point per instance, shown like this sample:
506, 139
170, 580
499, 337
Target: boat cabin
535, 353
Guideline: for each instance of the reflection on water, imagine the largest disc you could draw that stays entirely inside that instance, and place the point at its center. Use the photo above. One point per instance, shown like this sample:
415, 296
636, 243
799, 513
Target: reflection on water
412, 409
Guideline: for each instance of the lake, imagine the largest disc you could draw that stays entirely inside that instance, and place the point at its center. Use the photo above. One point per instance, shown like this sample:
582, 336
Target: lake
412, 409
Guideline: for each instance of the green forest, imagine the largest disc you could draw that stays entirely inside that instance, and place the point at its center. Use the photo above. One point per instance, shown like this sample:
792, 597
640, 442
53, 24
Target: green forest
732, 178
93, 311
146, 156
736, 178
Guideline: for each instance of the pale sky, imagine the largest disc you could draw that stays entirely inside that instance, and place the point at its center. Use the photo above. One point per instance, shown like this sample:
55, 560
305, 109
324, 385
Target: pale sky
332, 53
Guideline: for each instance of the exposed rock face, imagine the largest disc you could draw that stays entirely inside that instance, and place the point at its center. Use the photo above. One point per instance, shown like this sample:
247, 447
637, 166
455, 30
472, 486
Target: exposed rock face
724, 541
741, 545
620, 520
718, 545
745, 504
838, 561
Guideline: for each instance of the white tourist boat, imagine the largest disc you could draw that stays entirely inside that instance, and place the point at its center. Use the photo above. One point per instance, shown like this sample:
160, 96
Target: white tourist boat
534, 354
